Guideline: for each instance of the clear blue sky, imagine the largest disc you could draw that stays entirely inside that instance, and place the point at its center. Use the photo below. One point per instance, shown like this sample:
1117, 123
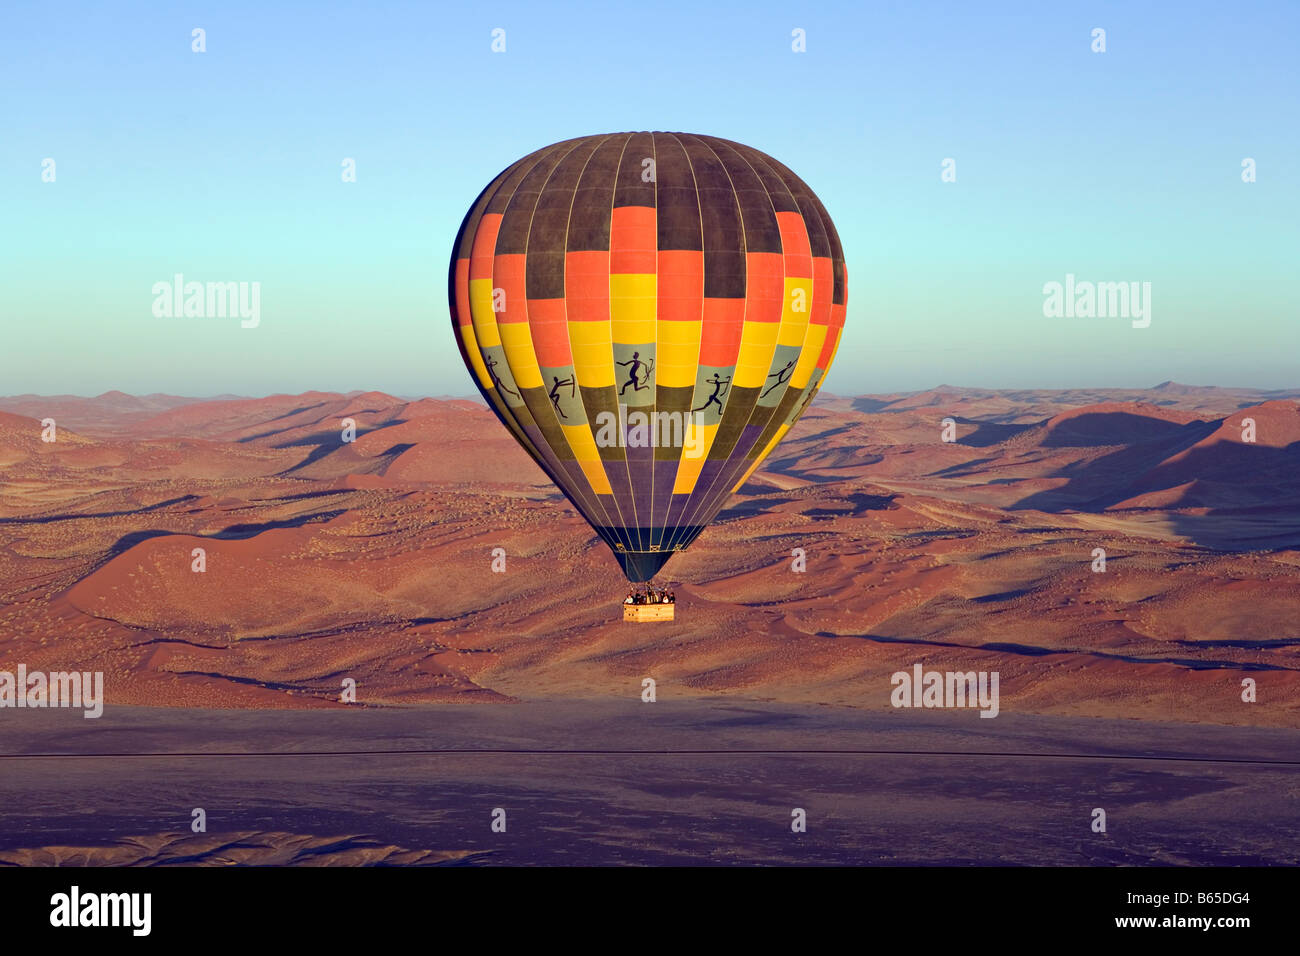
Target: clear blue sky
225, 165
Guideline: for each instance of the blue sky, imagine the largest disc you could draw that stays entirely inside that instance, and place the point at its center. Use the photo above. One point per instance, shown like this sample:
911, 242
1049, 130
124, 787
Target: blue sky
225, 165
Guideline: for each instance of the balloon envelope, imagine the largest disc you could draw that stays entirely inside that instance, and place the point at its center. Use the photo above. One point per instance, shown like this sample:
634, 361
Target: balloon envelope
648, 313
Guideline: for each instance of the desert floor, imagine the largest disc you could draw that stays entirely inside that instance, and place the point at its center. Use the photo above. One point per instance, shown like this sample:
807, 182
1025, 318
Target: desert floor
676, 782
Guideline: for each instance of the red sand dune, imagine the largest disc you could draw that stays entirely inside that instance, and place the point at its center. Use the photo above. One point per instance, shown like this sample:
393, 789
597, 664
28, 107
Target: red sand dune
372, 559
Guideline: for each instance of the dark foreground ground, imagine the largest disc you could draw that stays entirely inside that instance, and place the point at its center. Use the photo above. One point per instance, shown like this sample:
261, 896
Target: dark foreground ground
601, 782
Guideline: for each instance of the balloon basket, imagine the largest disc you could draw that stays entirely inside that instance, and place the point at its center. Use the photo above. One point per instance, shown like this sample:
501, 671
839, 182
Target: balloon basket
648, 612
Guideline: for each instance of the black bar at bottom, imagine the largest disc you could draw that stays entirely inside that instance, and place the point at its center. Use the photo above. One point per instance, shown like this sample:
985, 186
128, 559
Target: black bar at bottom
937, 906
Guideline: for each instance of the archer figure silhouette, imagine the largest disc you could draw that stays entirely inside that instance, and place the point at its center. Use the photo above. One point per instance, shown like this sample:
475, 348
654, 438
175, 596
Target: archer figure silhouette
718, 385
633, 373
555, 393
496, 379
780, 376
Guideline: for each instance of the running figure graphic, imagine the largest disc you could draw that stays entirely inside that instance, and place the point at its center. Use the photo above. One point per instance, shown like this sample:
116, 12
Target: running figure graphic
555, 393
780, 377
496, 379
718, 386
634, 373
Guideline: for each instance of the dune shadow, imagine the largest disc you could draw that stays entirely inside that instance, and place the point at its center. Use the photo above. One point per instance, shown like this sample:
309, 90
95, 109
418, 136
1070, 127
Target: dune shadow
960, 470
129, 541
48, 519
329, 442
988, 434
1033, 650
236, 532
869, 405
1001, 596
1100, 429
300, 495
1243, 492
277, 418
1096, 484
857, 503
1230, 496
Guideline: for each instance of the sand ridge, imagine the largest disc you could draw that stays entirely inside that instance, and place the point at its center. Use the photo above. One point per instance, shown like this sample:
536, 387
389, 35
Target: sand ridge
372, 559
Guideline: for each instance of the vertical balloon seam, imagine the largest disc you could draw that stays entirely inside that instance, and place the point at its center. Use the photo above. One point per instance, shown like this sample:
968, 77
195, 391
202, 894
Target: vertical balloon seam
641, 543
508, 414
627, 466
660, 328
839, 273
838, 279
681, 533
552, 463
700, 215
691, 512
609, 529
670, 540
609, 248
648, 523
577, 484
550, 189
704, 509
564, 249
732, 410
658, 354
465, 240
777, 423
761, 443
509, 182
756, 447
682, 530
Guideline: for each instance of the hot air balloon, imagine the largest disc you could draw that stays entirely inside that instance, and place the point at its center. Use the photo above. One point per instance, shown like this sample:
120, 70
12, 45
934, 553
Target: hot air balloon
648, 314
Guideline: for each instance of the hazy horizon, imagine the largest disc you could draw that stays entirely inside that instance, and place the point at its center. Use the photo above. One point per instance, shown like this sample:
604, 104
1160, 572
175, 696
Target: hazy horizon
475, 396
